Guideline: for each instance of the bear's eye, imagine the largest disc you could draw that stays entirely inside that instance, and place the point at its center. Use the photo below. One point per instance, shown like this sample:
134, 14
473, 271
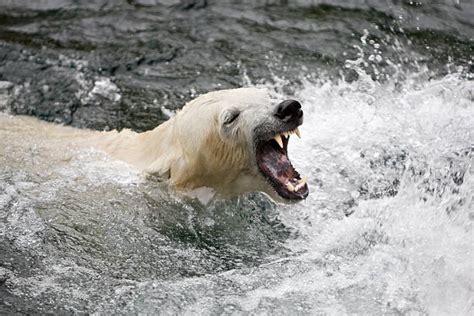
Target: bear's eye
231, 117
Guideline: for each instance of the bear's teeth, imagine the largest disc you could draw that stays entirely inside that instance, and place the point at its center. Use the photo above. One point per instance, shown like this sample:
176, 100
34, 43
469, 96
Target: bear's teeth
290, 187
297, 132
301, 183
278, 139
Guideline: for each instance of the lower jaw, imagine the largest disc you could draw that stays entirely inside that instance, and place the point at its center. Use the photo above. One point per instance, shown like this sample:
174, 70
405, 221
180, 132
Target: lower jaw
283, 195
290, 196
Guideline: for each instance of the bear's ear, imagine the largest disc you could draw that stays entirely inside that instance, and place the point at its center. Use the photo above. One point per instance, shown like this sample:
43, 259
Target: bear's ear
229, 116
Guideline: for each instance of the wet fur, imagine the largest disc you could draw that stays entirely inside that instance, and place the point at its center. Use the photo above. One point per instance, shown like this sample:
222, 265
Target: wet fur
190, 150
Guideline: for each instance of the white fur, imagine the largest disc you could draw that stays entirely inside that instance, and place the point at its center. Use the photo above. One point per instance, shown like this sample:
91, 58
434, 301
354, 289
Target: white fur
193, 149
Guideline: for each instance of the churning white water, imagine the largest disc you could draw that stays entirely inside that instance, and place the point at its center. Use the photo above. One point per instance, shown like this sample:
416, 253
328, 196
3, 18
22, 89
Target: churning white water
401, 158
387, 227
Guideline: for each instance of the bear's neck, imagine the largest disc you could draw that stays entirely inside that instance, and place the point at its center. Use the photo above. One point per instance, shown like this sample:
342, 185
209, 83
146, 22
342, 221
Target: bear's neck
160, 152
148, 151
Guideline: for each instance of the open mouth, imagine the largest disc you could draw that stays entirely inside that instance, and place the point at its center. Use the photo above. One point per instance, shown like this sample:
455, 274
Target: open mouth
273, 162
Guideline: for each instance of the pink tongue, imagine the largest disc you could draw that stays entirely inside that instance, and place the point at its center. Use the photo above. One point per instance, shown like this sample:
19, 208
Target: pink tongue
275, 163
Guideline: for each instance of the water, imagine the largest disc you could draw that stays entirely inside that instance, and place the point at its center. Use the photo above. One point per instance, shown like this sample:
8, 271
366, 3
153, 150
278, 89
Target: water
387, 146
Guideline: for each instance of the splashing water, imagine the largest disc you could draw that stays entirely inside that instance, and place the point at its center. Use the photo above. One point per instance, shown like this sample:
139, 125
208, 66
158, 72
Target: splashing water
387, 227
400, 161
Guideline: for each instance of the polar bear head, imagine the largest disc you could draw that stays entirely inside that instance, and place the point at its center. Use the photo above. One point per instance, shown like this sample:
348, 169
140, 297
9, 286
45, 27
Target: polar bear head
235, 141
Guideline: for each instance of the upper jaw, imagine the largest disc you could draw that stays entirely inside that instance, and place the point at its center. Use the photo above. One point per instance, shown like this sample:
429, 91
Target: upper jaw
285, 135
275, 128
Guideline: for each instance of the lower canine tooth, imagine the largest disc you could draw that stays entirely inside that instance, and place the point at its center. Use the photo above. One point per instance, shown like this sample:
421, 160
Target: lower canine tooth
290, 187
277, 138
301, 183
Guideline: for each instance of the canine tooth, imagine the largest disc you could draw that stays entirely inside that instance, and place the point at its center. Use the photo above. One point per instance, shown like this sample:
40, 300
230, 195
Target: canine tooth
301, 183
277, 138
290, 187
286, 134
297, 132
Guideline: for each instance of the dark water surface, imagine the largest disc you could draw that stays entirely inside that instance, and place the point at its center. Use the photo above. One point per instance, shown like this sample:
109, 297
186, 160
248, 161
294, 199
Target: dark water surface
387, 146
161, 53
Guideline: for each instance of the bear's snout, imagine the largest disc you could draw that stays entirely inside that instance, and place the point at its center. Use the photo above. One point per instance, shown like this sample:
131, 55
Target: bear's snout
289, 110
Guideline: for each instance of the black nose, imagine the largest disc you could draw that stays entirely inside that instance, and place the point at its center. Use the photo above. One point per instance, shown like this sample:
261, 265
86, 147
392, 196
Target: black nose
289, 110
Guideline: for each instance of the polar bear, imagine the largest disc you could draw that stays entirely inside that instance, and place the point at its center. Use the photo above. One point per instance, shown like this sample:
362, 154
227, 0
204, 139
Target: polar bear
233, 141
